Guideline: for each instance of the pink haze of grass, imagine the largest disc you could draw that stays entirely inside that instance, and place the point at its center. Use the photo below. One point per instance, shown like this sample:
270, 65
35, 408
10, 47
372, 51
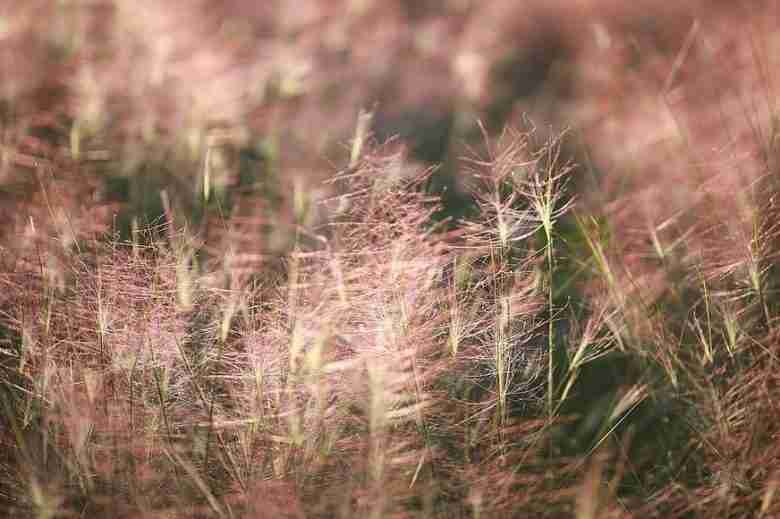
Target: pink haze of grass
325, 346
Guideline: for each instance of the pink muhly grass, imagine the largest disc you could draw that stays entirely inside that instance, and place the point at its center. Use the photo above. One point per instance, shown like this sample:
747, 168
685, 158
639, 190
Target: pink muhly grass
522, 197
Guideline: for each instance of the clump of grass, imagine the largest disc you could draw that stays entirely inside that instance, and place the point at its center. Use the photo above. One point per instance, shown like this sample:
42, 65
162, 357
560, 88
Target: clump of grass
336, 375
197, 319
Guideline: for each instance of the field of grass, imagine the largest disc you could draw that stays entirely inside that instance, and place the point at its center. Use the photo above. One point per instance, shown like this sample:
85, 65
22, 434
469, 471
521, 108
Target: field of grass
389, 259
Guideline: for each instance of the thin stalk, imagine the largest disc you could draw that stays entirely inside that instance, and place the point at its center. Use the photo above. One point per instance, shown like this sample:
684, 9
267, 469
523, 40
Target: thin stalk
550, 329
